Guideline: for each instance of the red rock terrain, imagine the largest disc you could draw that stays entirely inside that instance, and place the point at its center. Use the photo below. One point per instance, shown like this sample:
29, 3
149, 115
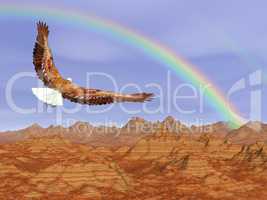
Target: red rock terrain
157, 162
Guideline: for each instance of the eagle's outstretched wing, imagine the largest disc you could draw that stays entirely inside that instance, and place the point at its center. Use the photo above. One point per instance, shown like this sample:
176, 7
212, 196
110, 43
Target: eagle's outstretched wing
48, 73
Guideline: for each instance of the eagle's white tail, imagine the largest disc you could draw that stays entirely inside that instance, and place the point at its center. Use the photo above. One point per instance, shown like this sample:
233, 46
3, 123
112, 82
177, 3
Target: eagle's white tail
48, 96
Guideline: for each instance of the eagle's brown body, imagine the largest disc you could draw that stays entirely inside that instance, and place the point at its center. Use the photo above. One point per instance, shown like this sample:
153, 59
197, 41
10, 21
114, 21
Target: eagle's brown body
48, 73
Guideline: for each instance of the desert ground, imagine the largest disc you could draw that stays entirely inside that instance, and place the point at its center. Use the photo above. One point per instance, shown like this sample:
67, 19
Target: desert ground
141, 161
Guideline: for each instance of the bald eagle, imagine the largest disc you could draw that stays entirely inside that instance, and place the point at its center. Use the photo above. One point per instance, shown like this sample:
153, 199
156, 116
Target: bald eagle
58, 88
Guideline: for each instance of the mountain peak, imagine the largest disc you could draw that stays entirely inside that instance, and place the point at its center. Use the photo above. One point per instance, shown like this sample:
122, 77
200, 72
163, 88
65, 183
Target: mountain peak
135, 121
170, 119
35, 127
255, 125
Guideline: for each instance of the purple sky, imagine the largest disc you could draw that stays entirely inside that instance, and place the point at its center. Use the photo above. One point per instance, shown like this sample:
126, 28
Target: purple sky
225, 40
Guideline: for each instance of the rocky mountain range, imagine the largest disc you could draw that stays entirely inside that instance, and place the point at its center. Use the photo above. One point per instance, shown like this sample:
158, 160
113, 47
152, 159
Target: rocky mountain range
141, 160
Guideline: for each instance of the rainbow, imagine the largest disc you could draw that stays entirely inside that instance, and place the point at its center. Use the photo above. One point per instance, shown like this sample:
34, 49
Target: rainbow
168, 58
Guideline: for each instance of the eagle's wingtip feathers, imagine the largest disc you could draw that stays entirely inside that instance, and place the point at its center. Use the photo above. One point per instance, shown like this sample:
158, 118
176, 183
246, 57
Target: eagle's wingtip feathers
142, 97
149, 96
42, 27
